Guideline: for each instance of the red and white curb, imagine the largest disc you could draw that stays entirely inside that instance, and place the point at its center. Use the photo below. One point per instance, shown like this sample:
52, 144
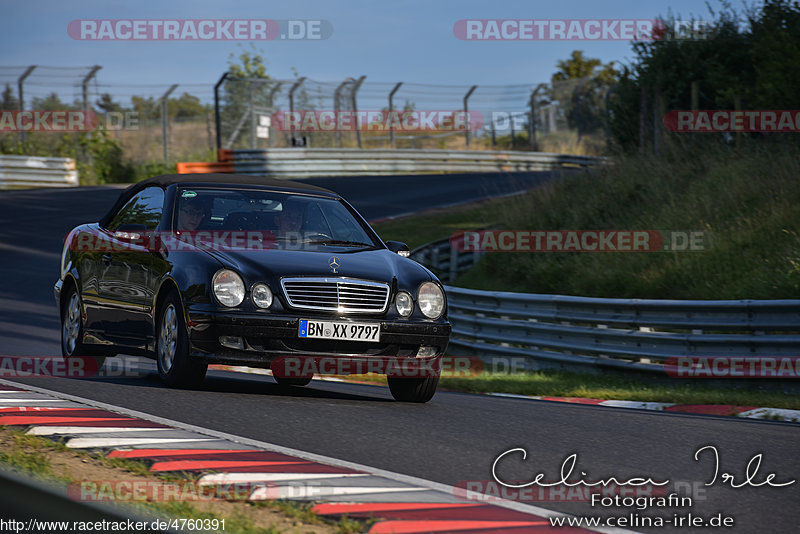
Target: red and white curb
400, 503
775, 414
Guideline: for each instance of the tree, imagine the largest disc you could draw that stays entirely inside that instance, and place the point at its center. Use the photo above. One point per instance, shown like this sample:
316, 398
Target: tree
8, 101
246, 90
749, 59
146, 107
49, 103
580, 85
186, 106
107, 104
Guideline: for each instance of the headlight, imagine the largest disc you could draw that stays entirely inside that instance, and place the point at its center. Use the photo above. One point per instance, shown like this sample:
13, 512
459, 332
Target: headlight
262, 295
228, 288
404, 304
431, 300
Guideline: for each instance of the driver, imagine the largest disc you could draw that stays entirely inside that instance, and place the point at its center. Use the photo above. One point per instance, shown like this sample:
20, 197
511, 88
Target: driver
290, 219
192, 213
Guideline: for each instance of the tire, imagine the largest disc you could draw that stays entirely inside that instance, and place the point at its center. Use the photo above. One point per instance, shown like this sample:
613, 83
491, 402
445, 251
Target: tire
413, 389
283, 381
72, 347
175, 367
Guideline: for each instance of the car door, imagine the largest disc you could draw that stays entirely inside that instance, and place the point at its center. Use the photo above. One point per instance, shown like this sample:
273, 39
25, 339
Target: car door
125, 270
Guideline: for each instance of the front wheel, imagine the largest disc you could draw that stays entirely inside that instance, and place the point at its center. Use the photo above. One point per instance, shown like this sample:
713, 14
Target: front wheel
175, 367
72, 347
413, 389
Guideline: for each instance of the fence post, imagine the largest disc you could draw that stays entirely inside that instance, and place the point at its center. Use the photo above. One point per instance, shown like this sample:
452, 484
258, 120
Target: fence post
391, 109
337, 107
513, 133
209, 132
737, 105
532, 122
642, 119
217, 117
85, 85
607, 99
252, 105
21, 104
533, 141
658, 105
356, 87
291, 106
466, 111
165, 123
271, 100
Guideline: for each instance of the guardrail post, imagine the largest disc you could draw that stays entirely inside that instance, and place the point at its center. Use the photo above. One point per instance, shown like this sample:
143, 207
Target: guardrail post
391, 109
20, 81
291, 106
337, 107
453, 264
356, 87
165, 123
466, 111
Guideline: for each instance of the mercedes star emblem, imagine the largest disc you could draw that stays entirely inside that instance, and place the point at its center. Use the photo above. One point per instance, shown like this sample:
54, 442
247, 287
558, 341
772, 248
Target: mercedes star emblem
334, 263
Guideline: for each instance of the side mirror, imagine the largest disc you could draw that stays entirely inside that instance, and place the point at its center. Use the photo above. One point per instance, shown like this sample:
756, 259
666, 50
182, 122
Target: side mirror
399, 247
130, 232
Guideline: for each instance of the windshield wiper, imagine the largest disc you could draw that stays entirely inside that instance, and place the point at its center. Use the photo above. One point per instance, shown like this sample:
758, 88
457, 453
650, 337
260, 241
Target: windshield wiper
340, 242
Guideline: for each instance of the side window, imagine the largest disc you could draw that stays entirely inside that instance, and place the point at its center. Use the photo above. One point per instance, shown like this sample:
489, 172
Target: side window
144, 208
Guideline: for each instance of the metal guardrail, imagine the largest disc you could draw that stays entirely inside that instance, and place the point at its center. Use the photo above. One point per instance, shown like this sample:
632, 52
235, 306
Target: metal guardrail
446, 262
33, 171
33, 504
622, 333
567, 331
299, 162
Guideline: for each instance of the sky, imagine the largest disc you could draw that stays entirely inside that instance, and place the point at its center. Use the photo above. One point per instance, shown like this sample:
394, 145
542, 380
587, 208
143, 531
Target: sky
410, 41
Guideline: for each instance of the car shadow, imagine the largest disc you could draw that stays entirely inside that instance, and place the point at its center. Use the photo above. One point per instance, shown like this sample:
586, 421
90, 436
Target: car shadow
231, 382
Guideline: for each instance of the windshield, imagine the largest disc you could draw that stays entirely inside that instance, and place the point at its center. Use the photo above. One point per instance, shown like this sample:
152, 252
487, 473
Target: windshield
287, 219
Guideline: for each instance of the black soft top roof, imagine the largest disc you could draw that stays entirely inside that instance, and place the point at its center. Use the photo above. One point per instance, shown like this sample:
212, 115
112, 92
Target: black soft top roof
213, 178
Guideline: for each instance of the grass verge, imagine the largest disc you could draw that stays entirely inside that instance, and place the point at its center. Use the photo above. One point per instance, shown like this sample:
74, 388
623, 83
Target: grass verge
53, 462
551, 383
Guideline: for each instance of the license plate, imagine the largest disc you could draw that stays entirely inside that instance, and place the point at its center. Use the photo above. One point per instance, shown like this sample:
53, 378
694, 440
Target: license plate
342, 330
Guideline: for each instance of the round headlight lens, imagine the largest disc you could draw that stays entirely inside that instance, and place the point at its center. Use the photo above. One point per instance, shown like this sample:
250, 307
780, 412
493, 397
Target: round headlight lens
262, 295
228, 288
431, 300
404, 304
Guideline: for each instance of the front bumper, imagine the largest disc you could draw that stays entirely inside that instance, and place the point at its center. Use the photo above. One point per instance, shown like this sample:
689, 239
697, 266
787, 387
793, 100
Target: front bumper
267, 337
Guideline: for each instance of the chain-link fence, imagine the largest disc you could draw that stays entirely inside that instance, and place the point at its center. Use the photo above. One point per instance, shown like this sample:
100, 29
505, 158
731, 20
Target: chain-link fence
134, 115
259, 113
165, 123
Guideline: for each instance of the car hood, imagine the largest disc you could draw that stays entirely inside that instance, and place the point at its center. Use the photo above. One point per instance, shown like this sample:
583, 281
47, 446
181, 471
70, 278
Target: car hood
272, 265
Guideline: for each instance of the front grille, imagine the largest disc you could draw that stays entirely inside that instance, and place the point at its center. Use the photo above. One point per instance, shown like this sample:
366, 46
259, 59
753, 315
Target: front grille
343, 295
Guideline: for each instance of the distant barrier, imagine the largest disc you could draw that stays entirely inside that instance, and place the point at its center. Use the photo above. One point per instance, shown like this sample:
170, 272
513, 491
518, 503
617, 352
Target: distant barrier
30, 171
313, 162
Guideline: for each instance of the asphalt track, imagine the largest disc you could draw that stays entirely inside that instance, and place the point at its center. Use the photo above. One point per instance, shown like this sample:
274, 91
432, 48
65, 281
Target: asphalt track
456, 437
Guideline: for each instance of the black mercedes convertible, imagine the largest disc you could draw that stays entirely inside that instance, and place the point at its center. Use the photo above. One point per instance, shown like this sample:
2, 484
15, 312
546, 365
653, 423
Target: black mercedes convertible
242, 270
